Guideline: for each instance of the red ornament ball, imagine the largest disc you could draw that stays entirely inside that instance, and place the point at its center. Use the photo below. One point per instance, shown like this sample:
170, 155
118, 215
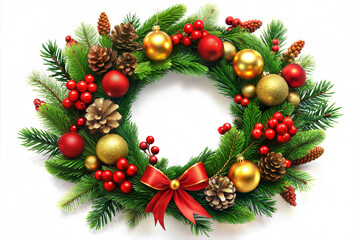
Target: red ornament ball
288, 163
196, 35
118, 176
73, 128
153, 160
107, 175
259, 126
210, 48
204, 33
73, 95
71, 144
256, 133
227, 127
275, 48
288, 121
155, 150
229, 20
292, 130
272, 123
89, 78
81, 86
269, 133
79, 105
199, 25
92, 87
188, 28
175, 39
294, 75
245, 102
109, 186
66, 103
132, 170
278, 116
126, 187
264, 150
276, 41
71, 84
98, 175
86, 97
281, 128
81, 121
115, 84
236, 22
186, 42
221, 130
122, 164
237, 99
150, 140
143, 146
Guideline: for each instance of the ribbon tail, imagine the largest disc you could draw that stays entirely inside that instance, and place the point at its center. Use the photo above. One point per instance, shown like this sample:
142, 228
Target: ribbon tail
188, 206
159, 204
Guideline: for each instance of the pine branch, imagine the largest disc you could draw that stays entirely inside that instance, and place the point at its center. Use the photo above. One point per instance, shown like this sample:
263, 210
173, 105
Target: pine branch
275, 29
299, 180
257, 203
133, 217
105, 41
187, 65
71, 170
133, 19
252, 115
77, 61
86, 35
102, 212
308, 63
285, 108
54, 118
315, 94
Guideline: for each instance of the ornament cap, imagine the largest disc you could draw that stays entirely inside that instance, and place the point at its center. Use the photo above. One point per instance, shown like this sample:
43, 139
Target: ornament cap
156, 28
240, 158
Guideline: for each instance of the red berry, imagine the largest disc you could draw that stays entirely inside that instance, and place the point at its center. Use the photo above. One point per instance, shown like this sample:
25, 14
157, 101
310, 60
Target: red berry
153, 160
276, 41
175, 39
186, 41
98, 175
79, 105
221, 130
150, 140
272, 123
229, 20
107, 175
188, 28
122, 164
42, 103
81, 121
281, 128
199, 25
73, 95
86, 97
89, 78
196, 35
37, 108
229, 29
81, 86
92, 87
269, 133
180, 36
143, 146
204, 33
292, 130
238, 99
284, 138
245, 102
155, 150
68, 38
264, 150
36, 102
132, 170
275, 48
278, 116
288, 163
109, 186
259, 126
288, 121
227, 127
118, 176
73, 128
236, 22
126, 187
66, 103
256, 133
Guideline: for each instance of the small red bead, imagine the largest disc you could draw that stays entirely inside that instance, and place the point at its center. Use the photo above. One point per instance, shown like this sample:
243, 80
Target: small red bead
264, 150
150, 140
36, 102
153, 160
98, 175
229, 20
126, 187
196, 35
92, 87
109, 186
275, 48
66, 103
68, 38
259, 126
143, 146
186, 41
81, 86
245, 102
89, 78
107, 175
118, 176
288, 121
227, 127
73, 128
256, 133
188, 28
71, 84
221, 130
229, 29
132, 170
269, 133
199, 25
283, 138
73, 95
175, 39
86, 97
292, 130
278, 116
122, 164
180, 36
281, 128
276, 41
155, 150
237, 99
236, 22
272, 123
204, 33
79, 105
81, 121
288, 163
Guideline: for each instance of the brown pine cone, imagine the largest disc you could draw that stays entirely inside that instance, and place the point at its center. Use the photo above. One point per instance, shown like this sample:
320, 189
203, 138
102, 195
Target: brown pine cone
220, 193
126, 63
289, 195
123, 37
101, 59
312, 155
103, 24
293, 51
251, 25
272, 166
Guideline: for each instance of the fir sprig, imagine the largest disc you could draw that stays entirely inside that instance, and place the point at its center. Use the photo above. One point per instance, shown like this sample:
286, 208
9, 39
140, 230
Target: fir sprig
274, 30
86, 35
77, 61
102, 212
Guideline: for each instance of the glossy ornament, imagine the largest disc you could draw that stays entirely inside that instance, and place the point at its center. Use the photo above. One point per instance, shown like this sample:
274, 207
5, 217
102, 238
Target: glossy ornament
229, 51
293, 98
107, 175
131, 170
248, 91
110, 148
71, 144
118, 177
122, 164
294, 74
92, 163
245, 175
109, 186
248, 64
126, 187
157, 45
115, 84
210, 48
272, 90
98, 175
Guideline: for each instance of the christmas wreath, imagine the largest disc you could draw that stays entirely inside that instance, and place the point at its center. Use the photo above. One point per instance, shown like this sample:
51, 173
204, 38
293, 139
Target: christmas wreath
279, 117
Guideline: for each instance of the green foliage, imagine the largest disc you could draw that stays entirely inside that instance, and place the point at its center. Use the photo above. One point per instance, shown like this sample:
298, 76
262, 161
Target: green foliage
133, 19
275, 29
133, 217
301, 181
77, 61
252, 115
285, 108
54, 118
257, 203
307, 62
102, 212
86, 35
187, 65
105, 41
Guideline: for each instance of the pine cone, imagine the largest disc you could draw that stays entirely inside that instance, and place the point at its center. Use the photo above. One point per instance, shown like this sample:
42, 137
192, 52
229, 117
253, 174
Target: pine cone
272, 166
103, 24
312, 155
123, 37
126, 63
101, 59
289, 195
102, 115
220, 193
293, 51
251, 25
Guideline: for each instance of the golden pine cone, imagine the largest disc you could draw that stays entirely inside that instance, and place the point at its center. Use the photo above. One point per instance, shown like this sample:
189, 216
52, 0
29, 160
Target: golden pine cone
293, 51
103, 24
220, 193
126, 63
312, 155
272, 166
101, 59
123, 37
102, 115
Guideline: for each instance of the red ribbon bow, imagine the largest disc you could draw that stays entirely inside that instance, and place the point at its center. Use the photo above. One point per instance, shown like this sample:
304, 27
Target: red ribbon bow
193, 179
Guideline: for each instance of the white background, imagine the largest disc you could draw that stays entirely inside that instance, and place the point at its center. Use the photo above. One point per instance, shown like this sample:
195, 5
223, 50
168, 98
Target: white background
183, 113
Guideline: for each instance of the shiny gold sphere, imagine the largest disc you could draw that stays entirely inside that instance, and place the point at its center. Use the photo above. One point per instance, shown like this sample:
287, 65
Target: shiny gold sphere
110, 148
248, 91
92, 163
174, 184
272, 90
229, 51
248, 64
157, 45
245, 175
293, 98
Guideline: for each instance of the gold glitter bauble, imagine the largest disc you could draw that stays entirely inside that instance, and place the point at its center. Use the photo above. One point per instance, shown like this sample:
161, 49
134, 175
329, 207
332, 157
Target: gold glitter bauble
157, 45
293, 98
92, 163
248, 64
272, 90
110, 148
245, 175
248, 91
229, 51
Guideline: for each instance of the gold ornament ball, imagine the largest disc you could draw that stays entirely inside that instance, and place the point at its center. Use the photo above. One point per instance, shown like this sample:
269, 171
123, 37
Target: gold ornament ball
272, 90
229, 51
110, 148
157, 45
248, 91
174, 184
92, 163
245, 175
248, 64
293, 98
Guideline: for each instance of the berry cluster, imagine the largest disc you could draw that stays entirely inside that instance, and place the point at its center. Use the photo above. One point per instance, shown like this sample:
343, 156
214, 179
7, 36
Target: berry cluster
193, 32
80, 93
118, 177
224, 128
37, 103
250, 25
69, 40
275, 46
145, 146
241, 100
80, 122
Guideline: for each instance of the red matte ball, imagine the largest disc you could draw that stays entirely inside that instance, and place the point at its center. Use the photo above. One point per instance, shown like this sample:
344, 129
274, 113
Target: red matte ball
236, 22
188, 28
115, 84
71, 84
210, 48
227, 127
281, 128
229, 29
143, 146
196, 35
109, 186
73, 95
292, 130
89, 78
150, 140
278, 116
92, 87
66, 103
81, 121
79, 105
81, 86
264, 150
186, 42
86, 97
237, 99
73, 128
199, 25
275, 41
272, 123
288, 163
118, 176
153, 160
256, 133
132, 170
155, 150
180, 36
229, 20
269, 133
275, 48
221, 130
204, 33
126, 187
259, 126
122, 164
107, 175
71, 144
294, 75
288, 121
175, 39
245, 102
98, 175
